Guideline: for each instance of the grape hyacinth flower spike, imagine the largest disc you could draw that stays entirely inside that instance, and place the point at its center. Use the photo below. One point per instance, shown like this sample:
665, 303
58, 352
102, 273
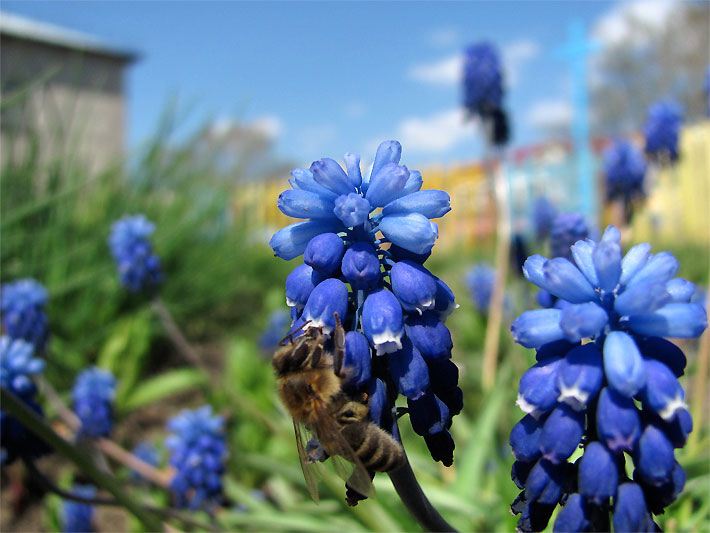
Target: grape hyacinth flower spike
92, 396
22, 304
198, 453
625, 171
662, 131
17, 367
605, 379
483, 89
364, 245
480, 280
138, 266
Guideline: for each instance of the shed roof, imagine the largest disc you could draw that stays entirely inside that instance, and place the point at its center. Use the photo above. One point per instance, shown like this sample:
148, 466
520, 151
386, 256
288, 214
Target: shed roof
32, 30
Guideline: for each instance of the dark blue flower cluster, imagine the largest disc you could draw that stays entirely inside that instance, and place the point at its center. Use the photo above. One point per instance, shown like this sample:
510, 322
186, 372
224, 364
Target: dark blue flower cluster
543, 215
624, 170
78, 517
391, 306
92, 396
483, 90
138, 267
197, 453
605, 378
17, 366
22, 304
480, 280
662, 130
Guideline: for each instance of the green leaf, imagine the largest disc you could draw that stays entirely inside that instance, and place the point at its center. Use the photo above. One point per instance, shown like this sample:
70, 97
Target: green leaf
164, 385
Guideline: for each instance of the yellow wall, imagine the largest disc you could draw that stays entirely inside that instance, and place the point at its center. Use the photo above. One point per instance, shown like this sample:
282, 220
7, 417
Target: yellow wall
679, 199
679, 196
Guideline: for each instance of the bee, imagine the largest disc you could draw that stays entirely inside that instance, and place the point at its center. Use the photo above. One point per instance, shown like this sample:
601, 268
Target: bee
310, 374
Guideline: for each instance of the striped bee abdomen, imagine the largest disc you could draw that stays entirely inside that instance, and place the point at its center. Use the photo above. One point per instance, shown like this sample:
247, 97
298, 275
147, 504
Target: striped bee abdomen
377, 450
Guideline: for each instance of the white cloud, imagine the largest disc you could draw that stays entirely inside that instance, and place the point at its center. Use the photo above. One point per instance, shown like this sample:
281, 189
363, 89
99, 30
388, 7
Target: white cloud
270, 126
516, 55
444, 37
549, 113
447, 71
617, 24
435, 133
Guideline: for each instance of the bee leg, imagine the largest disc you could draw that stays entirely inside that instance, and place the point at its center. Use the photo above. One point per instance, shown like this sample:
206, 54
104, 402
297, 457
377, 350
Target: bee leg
338, 346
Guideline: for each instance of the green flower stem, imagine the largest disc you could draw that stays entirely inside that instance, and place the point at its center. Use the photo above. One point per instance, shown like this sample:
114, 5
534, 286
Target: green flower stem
81, 458
176, 336
106, 446
495, 312
410, 492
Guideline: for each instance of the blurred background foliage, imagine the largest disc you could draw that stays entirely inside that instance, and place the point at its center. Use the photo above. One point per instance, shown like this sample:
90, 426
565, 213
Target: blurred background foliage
222, 283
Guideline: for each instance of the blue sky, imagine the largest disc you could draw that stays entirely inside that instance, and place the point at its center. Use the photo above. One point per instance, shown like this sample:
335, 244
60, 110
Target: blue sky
326, 78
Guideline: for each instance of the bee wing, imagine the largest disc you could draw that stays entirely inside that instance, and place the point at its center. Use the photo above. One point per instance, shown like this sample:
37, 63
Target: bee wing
346, 463
309, 468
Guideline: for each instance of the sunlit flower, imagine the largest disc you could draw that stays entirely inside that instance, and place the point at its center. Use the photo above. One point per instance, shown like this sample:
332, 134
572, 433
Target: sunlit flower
364, 246
600, 352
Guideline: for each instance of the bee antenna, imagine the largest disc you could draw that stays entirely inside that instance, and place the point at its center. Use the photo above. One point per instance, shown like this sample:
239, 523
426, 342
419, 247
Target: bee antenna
290, 334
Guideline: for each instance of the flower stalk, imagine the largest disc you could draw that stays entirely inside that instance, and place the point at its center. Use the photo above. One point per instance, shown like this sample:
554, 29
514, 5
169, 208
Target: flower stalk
74, 453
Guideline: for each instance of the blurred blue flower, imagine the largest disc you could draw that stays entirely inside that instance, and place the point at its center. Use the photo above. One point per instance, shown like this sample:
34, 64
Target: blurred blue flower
276, 329
364, 246
624, 169
138, 267
567, 228
198, 453
601, 352
662, 130
481, 280
22, 304
544, 214
482, 79
483, 90
148, 453
92, 396
79, 517
17, 367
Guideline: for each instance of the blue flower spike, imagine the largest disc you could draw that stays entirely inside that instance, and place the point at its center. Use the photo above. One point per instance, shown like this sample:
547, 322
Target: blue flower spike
18, 365
606, 380
364, 240
22, 304
483, 88
198, 454
138, 266
93, 395
662, 131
